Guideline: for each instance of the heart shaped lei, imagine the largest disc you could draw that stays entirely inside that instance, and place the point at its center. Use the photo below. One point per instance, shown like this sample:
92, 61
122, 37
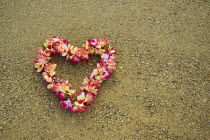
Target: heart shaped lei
70, 99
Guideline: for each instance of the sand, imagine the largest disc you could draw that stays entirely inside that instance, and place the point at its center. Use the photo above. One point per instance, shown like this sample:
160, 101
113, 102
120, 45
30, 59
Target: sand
160, 89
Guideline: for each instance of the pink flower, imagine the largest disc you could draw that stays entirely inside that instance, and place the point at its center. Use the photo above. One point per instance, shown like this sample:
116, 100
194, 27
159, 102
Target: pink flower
79, 52
99, 50
56, 86
67, 104
39, 63
105, 55
94, 73
64, 83
112, 57
92, 42
63, 87
64, 42
50, 85
91, 89
106, 75
110, 65
74, 50
50, 67
85, 54
103, 42
102, 62
61, 95
81, 97
66, 90
92, 82
63, 48
47, 77
89, 98
79, 107
57, 44
78, 55
46, 52
97, 80
100, 69
75, 59
111, 50
52, 43
55, 38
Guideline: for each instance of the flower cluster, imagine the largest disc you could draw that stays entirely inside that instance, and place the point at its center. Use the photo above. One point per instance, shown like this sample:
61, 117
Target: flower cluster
91, 82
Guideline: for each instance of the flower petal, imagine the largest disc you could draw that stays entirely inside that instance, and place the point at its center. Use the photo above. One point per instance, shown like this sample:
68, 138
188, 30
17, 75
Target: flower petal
67, 104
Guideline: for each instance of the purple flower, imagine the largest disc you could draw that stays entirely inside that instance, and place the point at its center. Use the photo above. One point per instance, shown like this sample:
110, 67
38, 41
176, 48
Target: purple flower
67, 104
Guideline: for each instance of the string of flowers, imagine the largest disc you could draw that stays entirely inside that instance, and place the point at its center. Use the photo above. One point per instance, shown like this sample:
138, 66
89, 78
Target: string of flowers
76, 102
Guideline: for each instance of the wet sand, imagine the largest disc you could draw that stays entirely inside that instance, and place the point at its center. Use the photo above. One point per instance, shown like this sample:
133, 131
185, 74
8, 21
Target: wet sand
159, 90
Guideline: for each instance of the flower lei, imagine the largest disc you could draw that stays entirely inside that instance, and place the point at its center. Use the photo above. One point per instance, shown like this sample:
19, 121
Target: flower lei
70, 100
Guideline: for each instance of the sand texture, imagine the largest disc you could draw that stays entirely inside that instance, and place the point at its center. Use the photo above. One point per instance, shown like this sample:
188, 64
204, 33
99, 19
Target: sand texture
160, 89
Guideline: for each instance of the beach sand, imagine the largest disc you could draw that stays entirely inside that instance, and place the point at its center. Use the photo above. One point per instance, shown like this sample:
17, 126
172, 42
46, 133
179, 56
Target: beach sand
160, 89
